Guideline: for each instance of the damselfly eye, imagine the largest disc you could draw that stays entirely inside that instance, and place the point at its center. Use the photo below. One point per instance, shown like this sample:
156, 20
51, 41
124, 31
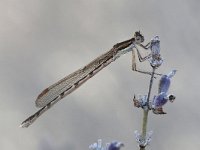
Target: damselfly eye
139, 39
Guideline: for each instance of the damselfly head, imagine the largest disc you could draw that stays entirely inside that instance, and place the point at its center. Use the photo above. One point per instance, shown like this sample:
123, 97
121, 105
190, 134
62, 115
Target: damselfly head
139, 38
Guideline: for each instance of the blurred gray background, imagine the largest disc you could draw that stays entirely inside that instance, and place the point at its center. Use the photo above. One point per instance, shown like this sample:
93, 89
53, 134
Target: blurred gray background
44, 40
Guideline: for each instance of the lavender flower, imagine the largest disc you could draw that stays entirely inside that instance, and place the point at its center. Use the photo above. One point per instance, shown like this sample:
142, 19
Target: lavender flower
155, 45
143, 141
163, 96
140, 102
115, 145
164, 83
97, 146
155, 59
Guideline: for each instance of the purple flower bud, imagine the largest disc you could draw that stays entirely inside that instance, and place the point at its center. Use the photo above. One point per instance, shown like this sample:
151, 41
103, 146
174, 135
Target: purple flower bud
160, 100
115, 145
109, 146
164, 83
162, 97
155, 45
143, 141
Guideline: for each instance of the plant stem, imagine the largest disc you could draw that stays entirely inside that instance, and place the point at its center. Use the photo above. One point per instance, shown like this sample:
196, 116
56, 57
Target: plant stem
150, 85
144, 126
145, 112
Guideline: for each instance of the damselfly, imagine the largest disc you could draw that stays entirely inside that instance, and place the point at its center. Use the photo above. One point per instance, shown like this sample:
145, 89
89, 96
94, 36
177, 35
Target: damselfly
65, 86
